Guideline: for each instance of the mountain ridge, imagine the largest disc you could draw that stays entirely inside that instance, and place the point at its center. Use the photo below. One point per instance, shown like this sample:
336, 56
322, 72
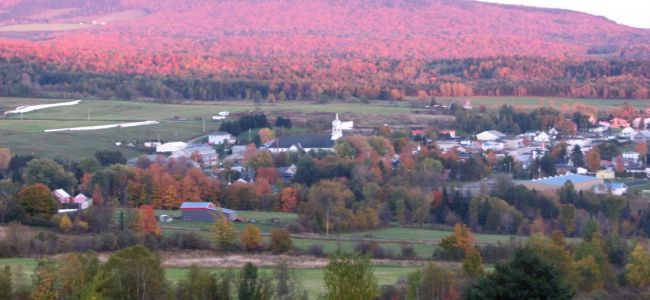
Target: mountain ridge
384, 28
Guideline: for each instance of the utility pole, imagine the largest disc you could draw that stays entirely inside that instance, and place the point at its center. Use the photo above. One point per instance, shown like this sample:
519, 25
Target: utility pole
203, 120
89, 114
327, 222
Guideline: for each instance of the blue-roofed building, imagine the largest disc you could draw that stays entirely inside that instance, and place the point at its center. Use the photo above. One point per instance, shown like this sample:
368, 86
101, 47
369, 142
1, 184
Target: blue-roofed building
580, 182
204, 212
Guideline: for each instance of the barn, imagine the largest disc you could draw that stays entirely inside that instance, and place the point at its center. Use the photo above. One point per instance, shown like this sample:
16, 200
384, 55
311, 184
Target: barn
204, 212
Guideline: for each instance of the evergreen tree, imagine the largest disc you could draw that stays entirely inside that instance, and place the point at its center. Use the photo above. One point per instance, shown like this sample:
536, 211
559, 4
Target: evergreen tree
525, 277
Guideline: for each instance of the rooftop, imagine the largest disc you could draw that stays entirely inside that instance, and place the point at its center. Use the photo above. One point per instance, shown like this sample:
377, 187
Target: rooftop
561, 180
304, 141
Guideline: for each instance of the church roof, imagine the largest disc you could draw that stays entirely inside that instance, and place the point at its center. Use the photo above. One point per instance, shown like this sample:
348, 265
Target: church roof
303, 141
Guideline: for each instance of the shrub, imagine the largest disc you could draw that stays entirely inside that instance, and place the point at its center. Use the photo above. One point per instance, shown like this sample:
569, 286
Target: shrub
316, 250
280, 241
408, 251
373, 248
251, 238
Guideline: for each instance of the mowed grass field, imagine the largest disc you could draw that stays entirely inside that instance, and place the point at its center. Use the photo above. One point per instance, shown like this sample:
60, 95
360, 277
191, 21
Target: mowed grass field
179, 122
534, 102
424, 241
311, 279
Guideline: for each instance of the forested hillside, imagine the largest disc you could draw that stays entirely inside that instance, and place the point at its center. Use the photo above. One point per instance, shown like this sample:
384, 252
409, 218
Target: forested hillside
340, 49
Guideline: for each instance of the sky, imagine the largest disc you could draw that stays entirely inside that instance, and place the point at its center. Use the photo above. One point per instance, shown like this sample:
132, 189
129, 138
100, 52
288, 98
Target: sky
634, 13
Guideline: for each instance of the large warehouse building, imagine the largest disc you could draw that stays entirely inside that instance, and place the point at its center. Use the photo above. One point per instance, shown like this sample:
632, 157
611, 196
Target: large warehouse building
580, 182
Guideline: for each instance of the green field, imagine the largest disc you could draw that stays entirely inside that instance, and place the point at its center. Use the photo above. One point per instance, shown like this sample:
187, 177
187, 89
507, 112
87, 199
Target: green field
533, 102
422, 240
312, 279
179, 122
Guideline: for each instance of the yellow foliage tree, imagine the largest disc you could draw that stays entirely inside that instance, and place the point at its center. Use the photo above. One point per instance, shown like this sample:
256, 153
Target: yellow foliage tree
5, 158
224, 233
638, 268
65, 224
251, 238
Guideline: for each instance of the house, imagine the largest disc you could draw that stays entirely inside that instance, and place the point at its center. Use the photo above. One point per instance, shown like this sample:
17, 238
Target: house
219, 138
631, 157
68, 202
615, 188
151, 158
542, 137
492, 145
304, 142
551, 184
416, 132
205, 154
62, 196
450, 132
642, 136
288, 172
204, 212
83, 201
490, 135
619, 123
170, 147
627, 132
606, 174
599, 129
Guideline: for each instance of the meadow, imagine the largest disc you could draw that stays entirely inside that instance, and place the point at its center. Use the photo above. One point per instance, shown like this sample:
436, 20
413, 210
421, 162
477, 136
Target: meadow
311, 279
423, 240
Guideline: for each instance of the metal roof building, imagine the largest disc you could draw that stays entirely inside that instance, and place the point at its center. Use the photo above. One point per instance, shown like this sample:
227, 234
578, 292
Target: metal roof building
580, 182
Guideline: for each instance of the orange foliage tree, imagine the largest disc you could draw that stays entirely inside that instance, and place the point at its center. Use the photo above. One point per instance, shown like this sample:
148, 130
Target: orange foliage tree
289, 199
147, 223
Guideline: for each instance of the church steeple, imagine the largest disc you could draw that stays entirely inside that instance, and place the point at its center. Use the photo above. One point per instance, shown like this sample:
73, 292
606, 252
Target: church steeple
337, 128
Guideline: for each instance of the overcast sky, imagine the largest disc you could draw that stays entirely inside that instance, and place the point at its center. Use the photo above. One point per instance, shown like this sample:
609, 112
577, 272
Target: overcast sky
629, 12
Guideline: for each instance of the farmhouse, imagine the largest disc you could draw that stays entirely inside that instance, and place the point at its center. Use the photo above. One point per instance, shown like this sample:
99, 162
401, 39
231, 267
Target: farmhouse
550, 184
490, 135
204, 212
77, 202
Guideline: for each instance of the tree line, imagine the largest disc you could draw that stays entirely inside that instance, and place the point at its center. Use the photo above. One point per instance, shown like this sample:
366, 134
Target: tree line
499, 76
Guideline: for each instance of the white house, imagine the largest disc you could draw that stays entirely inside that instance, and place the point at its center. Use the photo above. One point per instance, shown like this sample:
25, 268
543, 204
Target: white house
641, 136
599, 129
542, 137
219, 138
631, 156
490, 135
627, 132
207, 155
171, 147
617, 189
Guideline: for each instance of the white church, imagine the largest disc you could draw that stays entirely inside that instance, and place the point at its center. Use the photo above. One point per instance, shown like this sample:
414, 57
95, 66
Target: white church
311, 142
